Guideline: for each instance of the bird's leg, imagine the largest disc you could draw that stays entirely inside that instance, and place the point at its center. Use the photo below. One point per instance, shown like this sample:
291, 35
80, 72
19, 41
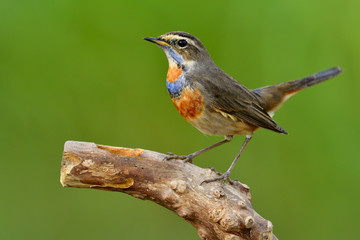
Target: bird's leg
226, 175
190, 157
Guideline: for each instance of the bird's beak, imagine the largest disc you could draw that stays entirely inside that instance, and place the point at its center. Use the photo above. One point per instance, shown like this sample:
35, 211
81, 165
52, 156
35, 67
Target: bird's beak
156, 40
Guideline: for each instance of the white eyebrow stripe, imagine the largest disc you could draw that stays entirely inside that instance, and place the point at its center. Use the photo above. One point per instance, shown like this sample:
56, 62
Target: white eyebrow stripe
177, 37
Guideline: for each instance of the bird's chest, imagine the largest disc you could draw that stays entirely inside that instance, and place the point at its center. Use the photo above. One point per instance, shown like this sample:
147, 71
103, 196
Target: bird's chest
187, 100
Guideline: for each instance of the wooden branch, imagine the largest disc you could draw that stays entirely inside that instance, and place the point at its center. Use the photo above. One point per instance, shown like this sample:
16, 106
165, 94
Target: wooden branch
218, 210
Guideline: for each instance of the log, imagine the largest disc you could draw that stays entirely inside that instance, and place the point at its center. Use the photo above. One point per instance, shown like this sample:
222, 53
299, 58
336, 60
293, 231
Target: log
218, 210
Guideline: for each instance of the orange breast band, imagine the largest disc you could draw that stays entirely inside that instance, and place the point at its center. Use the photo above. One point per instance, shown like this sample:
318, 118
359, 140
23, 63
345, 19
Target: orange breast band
189, 104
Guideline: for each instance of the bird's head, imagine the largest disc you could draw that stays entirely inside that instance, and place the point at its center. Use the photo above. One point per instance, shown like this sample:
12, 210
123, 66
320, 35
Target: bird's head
181, 48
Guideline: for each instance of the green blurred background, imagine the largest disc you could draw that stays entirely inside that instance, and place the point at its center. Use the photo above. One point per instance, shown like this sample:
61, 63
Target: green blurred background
79, 70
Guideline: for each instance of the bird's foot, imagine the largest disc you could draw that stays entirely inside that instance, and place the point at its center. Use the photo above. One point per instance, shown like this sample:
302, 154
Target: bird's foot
185, 158
214, 170
223, 177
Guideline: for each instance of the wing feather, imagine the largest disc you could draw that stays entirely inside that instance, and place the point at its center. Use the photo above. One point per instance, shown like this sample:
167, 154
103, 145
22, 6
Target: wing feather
235, 100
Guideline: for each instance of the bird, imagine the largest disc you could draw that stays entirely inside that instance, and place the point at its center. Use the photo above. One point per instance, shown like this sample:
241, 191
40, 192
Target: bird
217, 104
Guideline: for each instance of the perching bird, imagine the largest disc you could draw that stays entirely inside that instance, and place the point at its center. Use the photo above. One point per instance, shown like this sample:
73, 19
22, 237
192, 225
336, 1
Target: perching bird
215, 103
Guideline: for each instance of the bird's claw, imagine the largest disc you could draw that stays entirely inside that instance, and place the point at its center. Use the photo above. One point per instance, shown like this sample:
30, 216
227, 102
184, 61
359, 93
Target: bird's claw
216, 171
185, 158
223, 177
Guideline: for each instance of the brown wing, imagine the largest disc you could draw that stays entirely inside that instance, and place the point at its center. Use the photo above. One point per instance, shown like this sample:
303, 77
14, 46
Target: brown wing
229, 96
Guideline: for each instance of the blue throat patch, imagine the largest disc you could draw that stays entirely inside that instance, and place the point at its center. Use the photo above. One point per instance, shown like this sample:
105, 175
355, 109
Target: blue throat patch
175, 88
176, 56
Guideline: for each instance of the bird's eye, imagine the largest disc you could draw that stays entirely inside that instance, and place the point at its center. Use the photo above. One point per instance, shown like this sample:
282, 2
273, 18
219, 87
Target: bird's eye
182, 43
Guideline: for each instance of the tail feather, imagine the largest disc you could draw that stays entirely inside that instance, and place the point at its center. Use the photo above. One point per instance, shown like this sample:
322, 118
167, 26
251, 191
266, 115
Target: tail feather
313, 79
272, 97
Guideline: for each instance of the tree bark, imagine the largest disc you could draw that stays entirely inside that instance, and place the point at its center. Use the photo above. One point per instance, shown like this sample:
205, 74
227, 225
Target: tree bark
219, 211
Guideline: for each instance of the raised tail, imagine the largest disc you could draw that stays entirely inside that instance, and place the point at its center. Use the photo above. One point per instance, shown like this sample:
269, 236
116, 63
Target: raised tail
272, 97
313, 79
